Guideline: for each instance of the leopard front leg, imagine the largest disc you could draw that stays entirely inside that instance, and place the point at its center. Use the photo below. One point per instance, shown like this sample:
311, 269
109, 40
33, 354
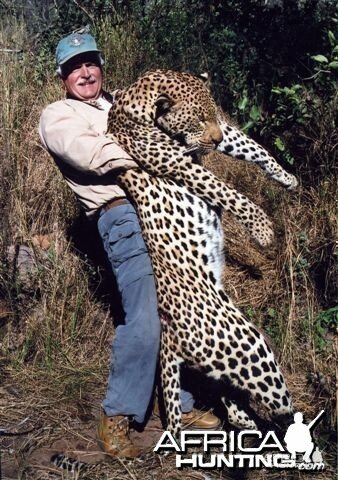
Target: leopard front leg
206, 186
163, 157
239, 145
170, 379
238, 417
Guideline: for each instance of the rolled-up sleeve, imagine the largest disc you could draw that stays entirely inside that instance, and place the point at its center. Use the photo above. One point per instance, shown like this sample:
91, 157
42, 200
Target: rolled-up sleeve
70, 137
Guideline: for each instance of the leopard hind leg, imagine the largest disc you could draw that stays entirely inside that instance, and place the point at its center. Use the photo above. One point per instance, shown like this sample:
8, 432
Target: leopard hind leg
170, 380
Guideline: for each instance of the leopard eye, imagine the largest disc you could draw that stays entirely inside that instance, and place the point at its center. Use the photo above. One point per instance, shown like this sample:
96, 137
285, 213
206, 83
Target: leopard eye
163, 105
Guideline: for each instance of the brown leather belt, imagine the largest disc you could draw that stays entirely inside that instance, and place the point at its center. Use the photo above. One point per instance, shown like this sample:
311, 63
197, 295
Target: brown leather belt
114, 203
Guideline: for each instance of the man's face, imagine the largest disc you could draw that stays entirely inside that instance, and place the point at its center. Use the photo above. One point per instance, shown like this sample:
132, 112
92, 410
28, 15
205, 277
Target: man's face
82, 76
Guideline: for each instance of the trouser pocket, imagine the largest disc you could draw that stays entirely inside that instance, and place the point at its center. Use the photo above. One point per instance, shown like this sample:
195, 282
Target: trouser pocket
122, 238
124, 242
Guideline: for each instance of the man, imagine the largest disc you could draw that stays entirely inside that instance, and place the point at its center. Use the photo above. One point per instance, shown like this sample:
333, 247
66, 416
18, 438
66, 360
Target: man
298, 437
73, 131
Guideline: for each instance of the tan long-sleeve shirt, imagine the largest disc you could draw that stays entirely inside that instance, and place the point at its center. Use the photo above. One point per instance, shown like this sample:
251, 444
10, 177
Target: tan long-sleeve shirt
73, 132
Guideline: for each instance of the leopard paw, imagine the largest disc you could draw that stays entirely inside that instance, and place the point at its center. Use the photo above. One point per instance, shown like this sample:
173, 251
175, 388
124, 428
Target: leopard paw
261, 230
293, 182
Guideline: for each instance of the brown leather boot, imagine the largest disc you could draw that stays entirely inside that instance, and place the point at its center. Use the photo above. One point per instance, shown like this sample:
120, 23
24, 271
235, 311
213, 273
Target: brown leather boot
197, 419
113, 437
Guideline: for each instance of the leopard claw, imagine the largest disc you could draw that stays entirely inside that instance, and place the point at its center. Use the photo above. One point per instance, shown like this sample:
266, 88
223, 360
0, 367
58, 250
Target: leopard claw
293, 183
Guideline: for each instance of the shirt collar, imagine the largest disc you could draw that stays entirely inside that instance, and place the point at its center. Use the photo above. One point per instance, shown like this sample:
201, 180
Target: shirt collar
102, 103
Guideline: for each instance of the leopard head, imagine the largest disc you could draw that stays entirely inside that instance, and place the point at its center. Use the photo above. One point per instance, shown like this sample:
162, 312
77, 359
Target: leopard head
178, 103
191, 121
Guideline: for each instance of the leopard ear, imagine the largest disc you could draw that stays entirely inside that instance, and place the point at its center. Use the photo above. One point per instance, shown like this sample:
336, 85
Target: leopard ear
204, 76
163, 105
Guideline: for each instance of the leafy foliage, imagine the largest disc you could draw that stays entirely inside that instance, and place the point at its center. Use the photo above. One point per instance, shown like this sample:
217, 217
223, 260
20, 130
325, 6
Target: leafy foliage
326, 323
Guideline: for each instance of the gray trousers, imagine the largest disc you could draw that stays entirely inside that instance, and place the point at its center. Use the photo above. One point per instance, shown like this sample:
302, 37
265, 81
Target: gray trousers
136, 343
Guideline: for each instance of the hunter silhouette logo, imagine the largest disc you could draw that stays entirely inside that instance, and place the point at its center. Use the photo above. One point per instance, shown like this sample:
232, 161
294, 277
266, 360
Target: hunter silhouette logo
298, 439
219, 449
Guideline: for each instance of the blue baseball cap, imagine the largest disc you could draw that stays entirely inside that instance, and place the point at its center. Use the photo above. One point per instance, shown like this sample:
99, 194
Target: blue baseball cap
74, 44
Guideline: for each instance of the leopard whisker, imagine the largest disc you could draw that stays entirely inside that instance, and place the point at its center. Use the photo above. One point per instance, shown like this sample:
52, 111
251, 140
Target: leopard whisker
191, 149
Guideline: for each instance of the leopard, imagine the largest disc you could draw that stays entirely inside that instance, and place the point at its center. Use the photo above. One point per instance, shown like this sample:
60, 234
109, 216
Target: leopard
167, 121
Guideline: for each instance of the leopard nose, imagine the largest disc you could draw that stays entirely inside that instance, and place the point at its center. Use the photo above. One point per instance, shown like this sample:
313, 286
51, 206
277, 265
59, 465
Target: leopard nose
215, 133
217, 136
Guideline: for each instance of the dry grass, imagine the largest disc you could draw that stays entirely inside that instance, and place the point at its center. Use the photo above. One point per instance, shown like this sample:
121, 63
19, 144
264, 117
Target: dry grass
55, 326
